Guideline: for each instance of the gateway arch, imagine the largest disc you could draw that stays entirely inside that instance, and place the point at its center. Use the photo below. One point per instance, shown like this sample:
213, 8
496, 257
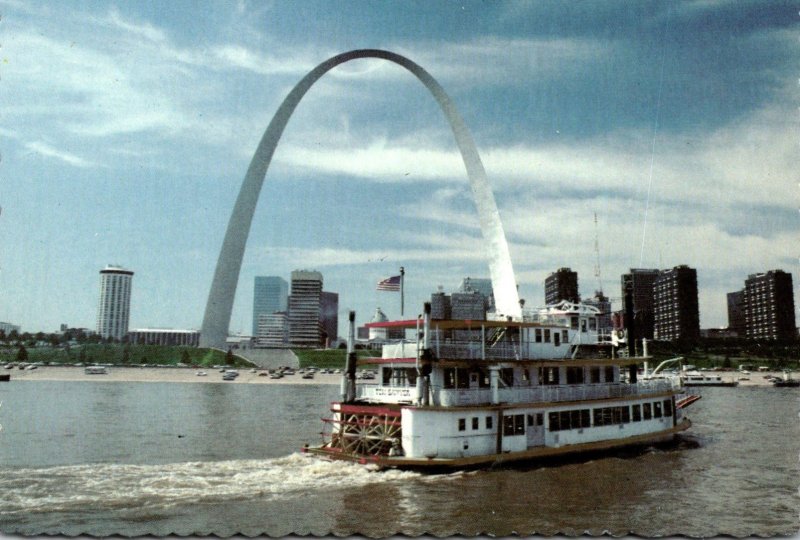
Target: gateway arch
226, 276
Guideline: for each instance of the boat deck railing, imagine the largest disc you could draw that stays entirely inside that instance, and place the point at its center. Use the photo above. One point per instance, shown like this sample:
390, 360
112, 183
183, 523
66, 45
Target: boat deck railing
520, 394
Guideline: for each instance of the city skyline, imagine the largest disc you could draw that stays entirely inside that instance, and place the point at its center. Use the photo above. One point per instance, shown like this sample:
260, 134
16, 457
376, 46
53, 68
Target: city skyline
128, 128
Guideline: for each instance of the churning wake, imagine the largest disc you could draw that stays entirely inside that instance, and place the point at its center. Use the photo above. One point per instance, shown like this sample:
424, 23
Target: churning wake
112, 486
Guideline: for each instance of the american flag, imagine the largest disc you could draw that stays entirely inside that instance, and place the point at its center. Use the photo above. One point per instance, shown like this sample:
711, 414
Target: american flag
389, 284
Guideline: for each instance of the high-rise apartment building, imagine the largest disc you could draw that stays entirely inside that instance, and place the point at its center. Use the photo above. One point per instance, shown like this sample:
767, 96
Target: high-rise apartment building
736, 318
561, 285
640, 282
305, 308
270, 294
113, 312
676, 314
769, 306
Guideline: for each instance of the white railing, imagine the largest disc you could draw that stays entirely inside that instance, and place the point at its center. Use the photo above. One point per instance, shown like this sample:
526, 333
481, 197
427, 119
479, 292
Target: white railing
555, 393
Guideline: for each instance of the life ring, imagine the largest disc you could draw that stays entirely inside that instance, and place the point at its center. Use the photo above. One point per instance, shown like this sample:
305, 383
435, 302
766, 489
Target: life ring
621, 333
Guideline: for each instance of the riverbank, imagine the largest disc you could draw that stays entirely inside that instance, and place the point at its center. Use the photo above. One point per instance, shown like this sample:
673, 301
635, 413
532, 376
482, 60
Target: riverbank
190, 375
166, 374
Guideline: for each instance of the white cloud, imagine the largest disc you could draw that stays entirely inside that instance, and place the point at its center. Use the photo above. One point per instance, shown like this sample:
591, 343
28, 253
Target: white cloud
48, 151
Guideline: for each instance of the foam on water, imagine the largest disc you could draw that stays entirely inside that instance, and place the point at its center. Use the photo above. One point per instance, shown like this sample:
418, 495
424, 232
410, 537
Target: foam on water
115, 486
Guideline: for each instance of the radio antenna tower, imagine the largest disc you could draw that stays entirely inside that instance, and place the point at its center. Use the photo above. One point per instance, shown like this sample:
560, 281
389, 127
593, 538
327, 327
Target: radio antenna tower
597, 255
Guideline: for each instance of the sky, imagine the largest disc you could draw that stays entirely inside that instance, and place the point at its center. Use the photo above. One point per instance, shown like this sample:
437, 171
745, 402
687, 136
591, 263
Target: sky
126, 129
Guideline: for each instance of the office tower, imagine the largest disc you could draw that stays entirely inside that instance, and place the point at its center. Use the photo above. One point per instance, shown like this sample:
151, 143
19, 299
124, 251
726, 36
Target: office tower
273, 329
640, 282
440, 305
769, 306
561, 285
329, 317
736, 316
270, 294
603, 305
113, 311
468, 306
304, 308
676, 315
481, 285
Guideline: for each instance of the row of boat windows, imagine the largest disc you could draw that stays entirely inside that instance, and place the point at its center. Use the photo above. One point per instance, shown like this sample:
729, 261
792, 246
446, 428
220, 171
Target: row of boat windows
514, 424
608, 416
463, 377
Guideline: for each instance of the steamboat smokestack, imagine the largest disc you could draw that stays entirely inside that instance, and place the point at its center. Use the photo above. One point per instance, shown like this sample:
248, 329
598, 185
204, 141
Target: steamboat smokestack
349, 376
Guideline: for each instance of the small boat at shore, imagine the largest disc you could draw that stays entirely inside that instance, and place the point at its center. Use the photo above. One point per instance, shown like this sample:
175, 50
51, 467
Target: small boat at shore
785, 382
696, 378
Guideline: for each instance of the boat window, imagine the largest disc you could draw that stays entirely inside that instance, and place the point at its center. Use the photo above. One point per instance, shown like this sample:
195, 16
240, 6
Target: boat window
539, 419
462, 424
565, 336
475, 422
547, 335
489, 422
526, 376
531, 420
657, 409
637, 413
548, 375
507, 376
583, 325
592, 324
449, 378
411, 375
573, 322
514, 425
519, 424
609, 373
552, 420
608, 416
556, 339
594, 374
387, 375
575, 375
538, 335
483, 378
564, 420
667, 407
462, 378
646, 411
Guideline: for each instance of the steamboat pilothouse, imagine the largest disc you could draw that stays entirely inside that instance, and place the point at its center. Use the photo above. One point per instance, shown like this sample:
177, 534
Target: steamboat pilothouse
469, 393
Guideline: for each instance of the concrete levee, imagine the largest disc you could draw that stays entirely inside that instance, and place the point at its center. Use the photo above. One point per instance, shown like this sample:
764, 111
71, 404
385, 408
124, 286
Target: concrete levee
270, 358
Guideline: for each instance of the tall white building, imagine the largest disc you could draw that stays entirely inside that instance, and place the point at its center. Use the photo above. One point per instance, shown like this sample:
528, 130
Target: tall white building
114, 309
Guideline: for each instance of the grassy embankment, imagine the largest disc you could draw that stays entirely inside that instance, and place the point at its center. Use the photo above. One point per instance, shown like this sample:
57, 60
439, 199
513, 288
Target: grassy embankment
118, 354
330, 358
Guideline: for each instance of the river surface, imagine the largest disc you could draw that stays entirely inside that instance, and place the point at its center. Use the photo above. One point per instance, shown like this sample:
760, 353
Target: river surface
106, 458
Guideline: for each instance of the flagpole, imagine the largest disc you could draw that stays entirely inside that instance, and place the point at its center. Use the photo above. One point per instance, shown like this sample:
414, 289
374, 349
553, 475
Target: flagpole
402, 279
